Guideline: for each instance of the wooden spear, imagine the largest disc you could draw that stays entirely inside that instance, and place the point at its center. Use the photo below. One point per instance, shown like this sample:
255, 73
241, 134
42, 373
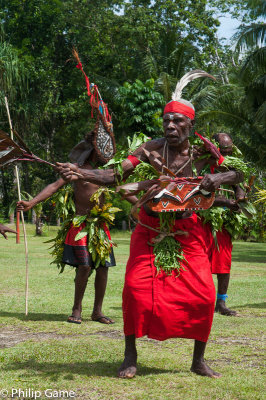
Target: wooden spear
22, 219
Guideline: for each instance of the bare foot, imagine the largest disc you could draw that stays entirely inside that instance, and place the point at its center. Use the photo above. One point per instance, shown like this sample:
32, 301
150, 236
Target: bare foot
128, 368
102, 319
223, 310
201, 368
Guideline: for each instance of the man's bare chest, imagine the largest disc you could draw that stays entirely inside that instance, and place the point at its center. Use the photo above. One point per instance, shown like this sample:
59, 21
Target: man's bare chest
180, 164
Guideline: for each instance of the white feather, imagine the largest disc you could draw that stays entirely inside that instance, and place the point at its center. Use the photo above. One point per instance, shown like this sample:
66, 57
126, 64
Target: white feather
188, 77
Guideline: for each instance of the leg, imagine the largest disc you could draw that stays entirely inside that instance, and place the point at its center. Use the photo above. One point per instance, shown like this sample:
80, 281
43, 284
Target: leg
128, 368
223, 283
82, 275
100, 287
199, 366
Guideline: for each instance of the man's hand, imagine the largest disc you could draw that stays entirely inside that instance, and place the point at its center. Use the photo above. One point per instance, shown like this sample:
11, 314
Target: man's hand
4, 229
210, 182
240, 194
69, 171
23, 205
222, 201
232, 205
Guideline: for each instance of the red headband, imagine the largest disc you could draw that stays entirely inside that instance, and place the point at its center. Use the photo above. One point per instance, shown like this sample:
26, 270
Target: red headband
177, 107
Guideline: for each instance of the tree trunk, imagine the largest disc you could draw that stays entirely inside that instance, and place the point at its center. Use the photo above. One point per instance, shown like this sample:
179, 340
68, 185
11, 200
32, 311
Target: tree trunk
11, 218
39, 225
33, 217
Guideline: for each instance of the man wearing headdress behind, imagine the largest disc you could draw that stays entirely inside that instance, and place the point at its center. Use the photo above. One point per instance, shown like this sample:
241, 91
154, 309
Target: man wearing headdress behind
221, 252
161, 305
76, 253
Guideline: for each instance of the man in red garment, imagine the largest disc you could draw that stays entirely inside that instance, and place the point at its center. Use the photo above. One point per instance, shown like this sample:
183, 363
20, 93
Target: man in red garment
159, 305
221, 257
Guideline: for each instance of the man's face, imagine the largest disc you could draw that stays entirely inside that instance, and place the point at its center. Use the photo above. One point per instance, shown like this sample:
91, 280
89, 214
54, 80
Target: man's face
176, 128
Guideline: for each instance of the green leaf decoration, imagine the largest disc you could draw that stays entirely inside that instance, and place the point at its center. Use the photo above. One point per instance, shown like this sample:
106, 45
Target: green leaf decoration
81, 235
99, 246
63, 202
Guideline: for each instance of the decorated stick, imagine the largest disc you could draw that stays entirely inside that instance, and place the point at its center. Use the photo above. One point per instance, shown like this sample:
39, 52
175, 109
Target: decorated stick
22, 219
93, 92
11, 152
250, 183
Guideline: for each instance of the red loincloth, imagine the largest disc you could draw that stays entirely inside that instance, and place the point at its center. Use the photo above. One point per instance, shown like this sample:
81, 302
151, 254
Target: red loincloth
76, 251
162, 306
221, 256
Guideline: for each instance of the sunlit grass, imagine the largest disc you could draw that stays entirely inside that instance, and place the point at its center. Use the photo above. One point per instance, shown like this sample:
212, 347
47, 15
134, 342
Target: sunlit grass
47, 352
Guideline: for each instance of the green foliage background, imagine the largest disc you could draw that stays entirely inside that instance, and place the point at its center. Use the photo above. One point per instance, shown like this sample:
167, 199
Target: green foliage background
135, 51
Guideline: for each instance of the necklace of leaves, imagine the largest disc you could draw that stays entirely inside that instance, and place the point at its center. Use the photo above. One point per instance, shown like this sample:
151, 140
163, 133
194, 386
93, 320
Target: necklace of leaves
169, 256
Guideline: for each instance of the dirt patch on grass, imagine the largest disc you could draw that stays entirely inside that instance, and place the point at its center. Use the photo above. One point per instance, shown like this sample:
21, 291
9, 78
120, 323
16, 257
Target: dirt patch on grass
10, 292
247, 341
110, 334
10, 336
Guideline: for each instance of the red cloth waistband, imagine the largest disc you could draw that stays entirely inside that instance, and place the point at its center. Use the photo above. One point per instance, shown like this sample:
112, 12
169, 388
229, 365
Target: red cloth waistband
155, 222
74, 230
176, 106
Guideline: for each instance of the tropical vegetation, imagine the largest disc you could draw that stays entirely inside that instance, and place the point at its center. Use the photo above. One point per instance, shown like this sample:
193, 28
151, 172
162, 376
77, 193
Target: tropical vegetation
135, 51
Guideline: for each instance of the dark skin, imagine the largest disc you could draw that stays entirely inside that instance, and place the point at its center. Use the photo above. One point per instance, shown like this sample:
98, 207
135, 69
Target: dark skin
4, 230
82, 192
176, 131
226, 148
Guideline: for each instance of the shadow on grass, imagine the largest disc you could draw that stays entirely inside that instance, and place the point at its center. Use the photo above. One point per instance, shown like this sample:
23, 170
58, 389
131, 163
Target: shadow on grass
34, 316
54, 371
249, 255
254, 305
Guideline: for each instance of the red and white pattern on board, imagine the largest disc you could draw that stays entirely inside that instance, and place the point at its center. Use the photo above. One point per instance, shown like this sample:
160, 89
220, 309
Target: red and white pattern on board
182, 194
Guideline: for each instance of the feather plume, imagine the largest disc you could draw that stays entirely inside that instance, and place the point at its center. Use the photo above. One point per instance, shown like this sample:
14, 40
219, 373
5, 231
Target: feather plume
76, 55
190, 76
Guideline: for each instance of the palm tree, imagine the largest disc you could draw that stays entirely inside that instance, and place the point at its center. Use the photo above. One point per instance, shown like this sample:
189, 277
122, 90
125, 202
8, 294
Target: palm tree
13, 78
240, 107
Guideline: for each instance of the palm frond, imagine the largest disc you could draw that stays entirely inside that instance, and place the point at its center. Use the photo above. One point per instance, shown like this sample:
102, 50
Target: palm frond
204, 97
165, 84
250, 36
261, 114
256, 61
150, 65
258, 7
13, 75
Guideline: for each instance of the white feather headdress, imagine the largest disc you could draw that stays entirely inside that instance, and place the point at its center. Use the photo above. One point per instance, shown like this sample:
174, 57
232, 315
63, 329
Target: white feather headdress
188, 77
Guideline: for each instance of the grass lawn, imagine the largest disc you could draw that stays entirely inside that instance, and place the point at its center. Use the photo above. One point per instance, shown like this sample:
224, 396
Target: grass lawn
43, 351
